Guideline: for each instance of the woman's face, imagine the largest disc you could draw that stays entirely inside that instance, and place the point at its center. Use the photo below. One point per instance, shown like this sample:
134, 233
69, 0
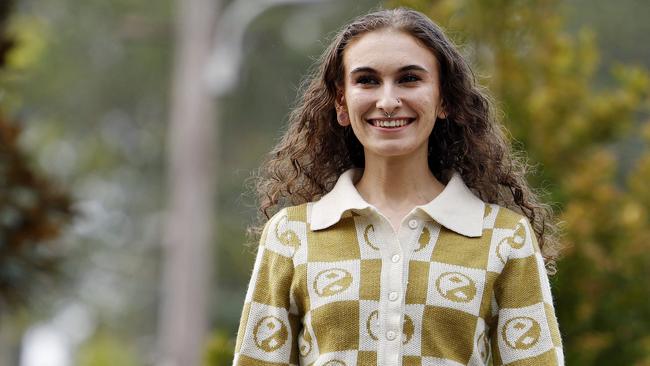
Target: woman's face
388, 73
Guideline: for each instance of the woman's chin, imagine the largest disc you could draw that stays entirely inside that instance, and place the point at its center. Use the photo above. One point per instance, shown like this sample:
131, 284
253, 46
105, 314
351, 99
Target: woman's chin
388, 150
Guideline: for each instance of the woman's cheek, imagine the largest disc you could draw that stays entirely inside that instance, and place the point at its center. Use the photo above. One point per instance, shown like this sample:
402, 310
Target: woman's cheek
360, 101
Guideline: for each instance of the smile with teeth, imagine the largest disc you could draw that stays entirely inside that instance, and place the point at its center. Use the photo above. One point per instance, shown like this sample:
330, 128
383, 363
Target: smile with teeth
390, 123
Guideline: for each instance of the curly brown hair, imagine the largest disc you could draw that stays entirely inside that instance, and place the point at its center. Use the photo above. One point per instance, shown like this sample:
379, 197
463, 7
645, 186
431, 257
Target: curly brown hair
315, 149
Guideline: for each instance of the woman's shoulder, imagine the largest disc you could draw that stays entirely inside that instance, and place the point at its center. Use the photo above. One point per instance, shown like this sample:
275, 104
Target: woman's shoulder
499, 216
289, 215
285, 230
292, 213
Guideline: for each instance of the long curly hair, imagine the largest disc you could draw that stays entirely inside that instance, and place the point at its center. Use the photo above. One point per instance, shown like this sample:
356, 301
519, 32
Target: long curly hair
314, 150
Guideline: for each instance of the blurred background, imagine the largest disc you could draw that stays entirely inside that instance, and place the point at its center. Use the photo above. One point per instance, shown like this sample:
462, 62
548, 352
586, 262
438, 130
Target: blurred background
121, 142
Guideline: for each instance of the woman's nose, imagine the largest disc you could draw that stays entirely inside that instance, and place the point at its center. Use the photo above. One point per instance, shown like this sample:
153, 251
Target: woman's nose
388, 101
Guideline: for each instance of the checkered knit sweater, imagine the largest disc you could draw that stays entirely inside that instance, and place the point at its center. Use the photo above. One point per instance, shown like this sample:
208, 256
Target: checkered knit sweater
333, 284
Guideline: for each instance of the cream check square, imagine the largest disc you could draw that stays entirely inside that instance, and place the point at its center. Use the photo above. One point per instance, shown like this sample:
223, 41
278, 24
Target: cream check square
368, 325
255, 274
543, 280
333, 281
423, 246
455, 287
412, 330
307, 344
481, 351
499, 249
368, 238
523, 332
524, 236
285, 237
509, 243
490, 215
268, 334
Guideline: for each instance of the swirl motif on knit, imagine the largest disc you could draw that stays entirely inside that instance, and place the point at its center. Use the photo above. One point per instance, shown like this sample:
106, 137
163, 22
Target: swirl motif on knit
521, 332
372, 324
366, 237
483, 347
456, 287
424, 239
287, 237
270, 333
332, 281
515, 241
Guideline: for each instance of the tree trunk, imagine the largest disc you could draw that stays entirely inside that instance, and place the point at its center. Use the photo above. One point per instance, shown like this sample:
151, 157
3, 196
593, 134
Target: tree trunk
188, 232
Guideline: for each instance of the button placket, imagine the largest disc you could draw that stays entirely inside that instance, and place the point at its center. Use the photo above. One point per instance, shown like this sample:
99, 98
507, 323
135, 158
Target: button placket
389, 345
413, 224
390, 335
416, 225
398, 250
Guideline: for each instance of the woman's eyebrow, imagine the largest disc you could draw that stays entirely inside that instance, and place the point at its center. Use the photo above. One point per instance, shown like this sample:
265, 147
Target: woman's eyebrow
401, 69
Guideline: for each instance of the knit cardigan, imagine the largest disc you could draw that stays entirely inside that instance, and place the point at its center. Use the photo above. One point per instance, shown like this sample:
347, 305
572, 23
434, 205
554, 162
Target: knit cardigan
333, 284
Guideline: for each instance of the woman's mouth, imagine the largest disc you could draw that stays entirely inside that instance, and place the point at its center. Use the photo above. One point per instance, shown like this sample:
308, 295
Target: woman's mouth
390, 123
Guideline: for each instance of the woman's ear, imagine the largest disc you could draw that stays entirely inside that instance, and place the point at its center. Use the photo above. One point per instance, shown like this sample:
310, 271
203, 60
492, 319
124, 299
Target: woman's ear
442, 110
342, 115
339, 100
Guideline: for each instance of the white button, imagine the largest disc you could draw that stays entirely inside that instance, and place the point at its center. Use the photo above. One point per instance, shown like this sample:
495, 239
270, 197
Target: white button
395, 258
393, 296
390, 335
413, 223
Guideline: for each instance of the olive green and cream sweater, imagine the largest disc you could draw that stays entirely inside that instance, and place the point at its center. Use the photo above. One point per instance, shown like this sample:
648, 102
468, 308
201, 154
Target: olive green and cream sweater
461, 282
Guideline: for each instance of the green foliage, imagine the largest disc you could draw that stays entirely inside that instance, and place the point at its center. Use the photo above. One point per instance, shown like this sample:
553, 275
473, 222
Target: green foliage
89, 81
33, 211
543, 79
6, 41
106, 349
219, 350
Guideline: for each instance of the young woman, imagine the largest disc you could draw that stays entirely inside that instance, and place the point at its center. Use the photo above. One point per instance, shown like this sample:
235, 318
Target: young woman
408, 234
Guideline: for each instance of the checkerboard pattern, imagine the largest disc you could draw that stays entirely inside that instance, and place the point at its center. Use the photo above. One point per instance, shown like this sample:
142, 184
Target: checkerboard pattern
314, 296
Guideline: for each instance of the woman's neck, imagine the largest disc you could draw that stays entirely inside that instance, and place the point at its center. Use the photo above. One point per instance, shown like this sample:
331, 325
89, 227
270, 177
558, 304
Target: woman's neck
397, 183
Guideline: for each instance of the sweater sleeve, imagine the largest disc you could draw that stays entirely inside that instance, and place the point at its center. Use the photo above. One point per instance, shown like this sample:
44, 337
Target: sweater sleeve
526, 331
269, 326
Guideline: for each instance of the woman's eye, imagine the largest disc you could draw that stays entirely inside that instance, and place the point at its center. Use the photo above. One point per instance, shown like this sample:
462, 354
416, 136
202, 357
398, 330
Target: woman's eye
410, 78
366, 80
372, 80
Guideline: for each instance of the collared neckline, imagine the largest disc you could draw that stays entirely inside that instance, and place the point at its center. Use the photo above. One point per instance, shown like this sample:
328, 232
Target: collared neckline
456, 207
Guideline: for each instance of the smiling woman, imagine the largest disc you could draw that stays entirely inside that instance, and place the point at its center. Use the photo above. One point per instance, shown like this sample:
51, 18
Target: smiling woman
406, 232
392, 107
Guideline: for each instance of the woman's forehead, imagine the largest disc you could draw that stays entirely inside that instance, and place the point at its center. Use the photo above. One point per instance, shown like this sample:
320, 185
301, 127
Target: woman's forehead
387, 51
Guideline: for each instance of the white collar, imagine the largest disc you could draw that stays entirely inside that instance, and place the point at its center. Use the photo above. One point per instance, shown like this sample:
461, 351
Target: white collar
455, 208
